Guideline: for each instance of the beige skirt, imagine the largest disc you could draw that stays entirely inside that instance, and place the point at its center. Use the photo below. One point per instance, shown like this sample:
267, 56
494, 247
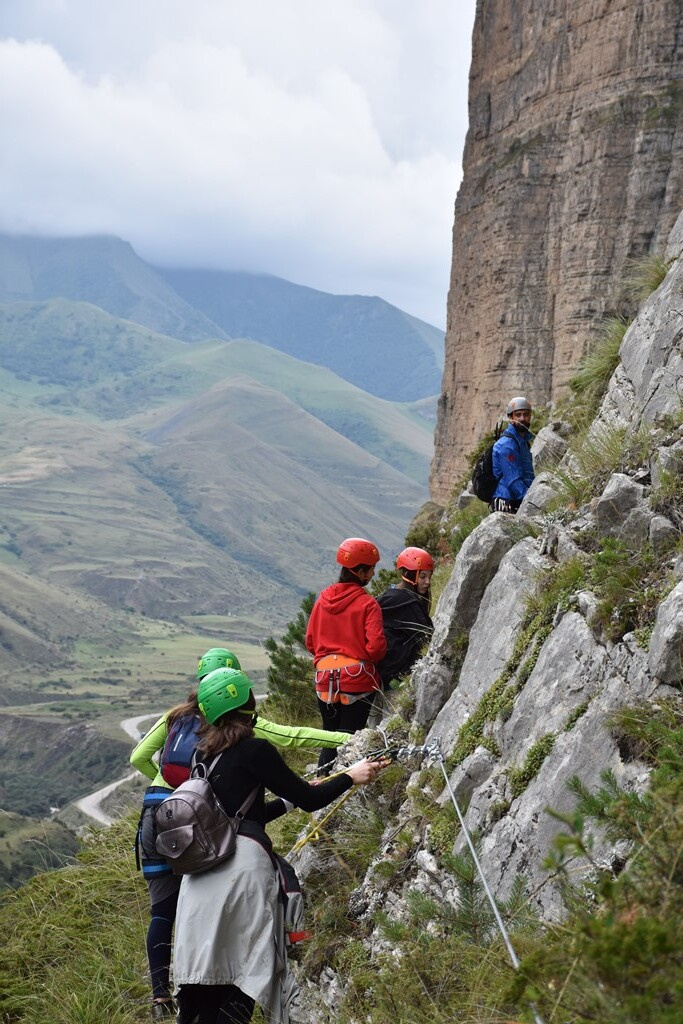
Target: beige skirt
229, 930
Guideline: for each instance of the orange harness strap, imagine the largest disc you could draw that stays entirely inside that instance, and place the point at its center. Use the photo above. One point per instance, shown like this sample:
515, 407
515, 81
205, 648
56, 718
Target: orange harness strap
336, 661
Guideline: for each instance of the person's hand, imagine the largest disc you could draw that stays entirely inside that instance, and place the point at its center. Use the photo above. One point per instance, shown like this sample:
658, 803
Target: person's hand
366, 770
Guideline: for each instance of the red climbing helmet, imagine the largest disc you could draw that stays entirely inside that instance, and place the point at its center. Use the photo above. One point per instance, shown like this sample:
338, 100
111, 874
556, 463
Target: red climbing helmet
415, 558
355, 551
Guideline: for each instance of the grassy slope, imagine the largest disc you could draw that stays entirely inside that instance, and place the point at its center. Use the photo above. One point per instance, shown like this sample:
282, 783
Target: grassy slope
362, 338
616, 958
102, 270
148, 523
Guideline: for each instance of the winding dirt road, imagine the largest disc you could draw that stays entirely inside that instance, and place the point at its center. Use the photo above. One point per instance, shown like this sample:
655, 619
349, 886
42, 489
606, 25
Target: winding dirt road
92, 804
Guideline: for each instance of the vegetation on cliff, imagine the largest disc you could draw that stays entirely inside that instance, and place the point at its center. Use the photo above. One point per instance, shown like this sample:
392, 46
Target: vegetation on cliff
74, 938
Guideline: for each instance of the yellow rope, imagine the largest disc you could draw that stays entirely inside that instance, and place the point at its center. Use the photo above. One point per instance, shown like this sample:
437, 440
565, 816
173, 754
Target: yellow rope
314, 831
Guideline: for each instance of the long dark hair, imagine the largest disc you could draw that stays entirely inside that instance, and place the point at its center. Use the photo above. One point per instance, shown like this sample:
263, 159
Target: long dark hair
349, 575
228, 730
409, 580
188, 707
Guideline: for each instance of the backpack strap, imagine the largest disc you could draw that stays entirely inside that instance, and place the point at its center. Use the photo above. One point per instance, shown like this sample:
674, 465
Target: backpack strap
206, 770
199, 770
239, 815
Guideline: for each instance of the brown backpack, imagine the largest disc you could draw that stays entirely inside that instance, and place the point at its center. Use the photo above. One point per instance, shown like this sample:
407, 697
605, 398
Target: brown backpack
193, 831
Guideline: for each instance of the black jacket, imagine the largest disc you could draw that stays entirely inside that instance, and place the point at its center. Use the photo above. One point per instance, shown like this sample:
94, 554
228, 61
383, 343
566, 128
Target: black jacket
407, 627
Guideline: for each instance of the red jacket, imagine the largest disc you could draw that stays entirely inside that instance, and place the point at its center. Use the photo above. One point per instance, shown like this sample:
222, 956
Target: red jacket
346, 620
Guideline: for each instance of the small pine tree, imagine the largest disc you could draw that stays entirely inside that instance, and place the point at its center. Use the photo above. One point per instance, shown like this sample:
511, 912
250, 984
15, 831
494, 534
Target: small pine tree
289, 678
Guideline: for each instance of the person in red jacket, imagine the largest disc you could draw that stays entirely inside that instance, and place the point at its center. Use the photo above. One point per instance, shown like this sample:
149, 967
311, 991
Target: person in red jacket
346, 638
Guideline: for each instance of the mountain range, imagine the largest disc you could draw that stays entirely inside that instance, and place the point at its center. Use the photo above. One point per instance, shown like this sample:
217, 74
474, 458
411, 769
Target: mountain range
364, 339
154, 464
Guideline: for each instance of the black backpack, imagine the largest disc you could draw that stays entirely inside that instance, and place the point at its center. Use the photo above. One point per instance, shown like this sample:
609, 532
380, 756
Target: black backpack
484, 482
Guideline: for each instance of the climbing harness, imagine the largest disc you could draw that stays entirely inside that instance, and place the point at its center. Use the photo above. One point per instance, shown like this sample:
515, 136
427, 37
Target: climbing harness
328, 678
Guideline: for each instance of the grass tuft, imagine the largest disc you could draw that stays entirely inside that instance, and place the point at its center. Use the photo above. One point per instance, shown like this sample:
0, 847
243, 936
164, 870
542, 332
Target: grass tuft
590, 380
74, 950
644, 276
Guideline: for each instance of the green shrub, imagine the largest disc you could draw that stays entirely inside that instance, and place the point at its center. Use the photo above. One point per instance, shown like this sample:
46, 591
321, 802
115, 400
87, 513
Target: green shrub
463, 521
291, 695
629, 584
667, 498
384, 579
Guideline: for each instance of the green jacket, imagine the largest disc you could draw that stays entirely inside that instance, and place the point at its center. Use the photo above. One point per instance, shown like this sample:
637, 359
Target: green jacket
153, 741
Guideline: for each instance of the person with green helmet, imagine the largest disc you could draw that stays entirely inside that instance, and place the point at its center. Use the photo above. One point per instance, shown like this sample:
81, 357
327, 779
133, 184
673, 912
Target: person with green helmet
174, 734
230, 951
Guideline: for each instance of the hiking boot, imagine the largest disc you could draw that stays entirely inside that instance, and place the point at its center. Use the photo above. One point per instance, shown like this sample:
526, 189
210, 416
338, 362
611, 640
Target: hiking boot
163, 1011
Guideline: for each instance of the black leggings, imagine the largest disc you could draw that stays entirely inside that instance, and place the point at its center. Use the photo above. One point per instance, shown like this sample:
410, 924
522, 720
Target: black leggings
213, 1004
342, 718
159, 944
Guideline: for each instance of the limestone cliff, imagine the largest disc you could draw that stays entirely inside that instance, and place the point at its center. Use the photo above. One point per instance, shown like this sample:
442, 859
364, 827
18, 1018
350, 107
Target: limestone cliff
572, 168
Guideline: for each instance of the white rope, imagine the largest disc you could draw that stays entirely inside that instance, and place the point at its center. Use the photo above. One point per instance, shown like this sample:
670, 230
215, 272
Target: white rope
496, 913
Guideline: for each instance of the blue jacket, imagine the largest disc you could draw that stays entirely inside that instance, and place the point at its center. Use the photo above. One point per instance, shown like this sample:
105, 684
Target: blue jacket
513, 465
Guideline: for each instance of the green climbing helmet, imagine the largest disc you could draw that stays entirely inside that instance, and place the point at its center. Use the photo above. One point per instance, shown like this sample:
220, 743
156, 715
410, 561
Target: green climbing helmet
223, 690
217, 657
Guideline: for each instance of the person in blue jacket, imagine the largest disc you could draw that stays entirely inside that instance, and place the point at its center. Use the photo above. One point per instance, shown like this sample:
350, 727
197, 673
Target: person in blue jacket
513, 465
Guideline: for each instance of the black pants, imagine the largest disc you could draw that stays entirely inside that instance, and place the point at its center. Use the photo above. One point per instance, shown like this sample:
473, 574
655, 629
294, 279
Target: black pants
163, 896
213, 1004
159, 944
342, 718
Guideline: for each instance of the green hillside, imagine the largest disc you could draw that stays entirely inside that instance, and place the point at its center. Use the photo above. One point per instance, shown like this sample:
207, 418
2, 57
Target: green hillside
82, 358
362, 338
153, 474
102, 270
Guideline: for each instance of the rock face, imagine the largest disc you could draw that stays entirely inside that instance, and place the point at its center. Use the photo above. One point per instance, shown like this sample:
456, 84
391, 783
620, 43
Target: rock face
572, 167
647, 384
522, 684
666, 645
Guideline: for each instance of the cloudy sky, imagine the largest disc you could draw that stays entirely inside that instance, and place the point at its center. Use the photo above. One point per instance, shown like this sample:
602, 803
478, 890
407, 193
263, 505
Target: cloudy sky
318, 140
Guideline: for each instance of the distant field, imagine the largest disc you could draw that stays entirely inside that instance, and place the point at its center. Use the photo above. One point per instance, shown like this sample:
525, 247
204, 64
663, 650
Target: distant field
155, 667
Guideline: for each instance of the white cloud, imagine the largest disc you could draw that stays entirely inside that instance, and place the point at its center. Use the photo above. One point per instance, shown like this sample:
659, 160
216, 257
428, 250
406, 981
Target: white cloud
314, 140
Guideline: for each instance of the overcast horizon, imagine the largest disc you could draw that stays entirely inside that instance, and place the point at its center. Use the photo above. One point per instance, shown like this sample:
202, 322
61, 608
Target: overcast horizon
310, 141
